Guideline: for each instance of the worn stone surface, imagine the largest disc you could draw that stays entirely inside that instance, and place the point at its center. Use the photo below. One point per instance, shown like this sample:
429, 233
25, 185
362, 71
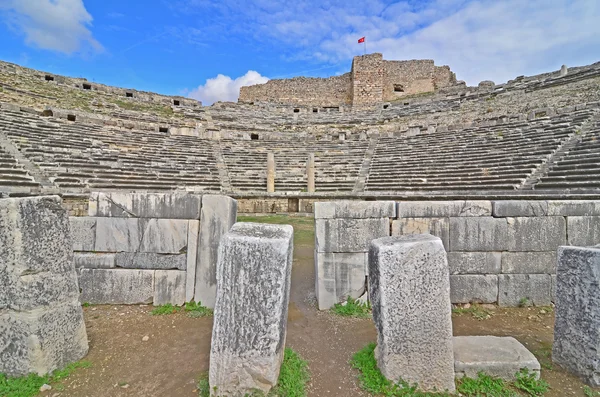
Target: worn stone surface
83, 232
466, 288
355, 209
536, 233
506, 208
574, 208
250, 319
410, 295
349, 235
439, 227
149, 260
577, 312
535, 288
500, 357
474, 262
92, 260
339, 276
443, 209
169, 287
529, 262
141, 235
478, 234
219, 213
192, 255
116, 286
583, 230
147, 205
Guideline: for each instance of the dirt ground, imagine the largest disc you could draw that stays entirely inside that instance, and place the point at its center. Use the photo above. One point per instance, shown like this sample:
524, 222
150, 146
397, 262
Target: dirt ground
177, 349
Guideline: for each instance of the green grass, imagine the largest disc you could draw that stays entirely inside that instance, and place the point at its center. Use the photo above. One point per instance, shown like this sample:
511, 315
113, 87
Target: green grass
475, 310
352, 308
588, 392
528, 383
164, 309
544, 355
485, 386
27, 386
524, 302
304, 227
195, 310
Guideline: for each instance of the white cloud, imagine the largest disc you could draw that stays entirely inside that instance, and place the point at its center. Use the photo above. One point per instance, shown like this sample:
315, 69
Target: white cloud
57, 25
224, 88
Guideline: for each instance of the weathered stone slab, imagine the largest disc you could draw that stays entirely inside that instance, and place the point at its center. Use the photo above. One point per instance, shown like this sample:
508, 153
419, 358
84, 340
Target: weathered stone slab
439, 227
219, 213
577, 313
339, 276
117, 235
410, 295
92, 260
534, 288
149, 260
42, 340
349, 235
147, 205
478, 288
253, 278
536, 233
167, 236
574, 208
355, 209
169, 287
478, 234
443, 209
192, 254
500, 357
529, 262
83, 232
116, 286
583, 230
474, 262
512, 208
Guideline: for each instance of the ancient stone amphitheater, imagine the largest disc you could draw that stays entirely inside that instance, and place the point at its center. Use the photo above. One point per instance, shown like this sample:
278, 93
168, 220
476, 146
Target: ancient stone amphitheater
531, 137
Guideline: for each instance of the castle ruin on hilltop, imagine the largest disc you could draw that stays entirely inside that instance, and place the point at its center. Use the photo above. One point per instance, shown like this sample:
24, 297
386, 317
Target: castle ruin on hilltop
371, 82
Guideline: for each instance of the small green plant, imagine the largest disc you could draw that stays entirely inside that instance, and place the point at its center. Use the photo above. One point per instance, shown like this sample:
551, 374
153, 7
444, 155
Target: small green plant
588, 392
475, 310
196, 310
203, 385
352, 308
164, 309
484, 386
28, 386
524, 302
544, 355
527, 382
86, 304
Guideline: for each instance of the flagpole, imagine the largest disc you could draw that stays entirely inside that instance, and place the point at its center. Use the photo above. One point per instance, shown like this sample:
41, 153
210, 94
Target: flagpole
365, 46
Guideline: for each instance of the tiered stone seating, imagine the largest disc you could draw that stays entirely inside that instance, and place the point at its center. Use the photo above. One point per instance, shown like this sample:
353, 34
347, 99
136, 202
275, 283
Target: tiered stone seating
12, 174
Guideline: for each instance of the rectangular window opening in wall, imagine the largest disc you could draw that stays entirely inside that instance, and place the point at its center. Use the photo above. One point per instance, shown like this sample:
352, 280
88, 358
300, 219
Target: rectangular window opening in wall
175, 102
87, 86
406, 104
398, 88
296, 110
48, 78
129, 94
315, 110
293, 205
386, 106
71, 117
332, 108
163, 129
254, 137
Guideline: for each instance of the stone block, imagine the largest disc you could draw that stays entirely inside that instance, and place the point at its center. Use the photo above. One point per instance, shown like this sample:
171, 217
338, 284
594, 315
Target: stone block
349, 235
250, 320
92, 260
478, 234
439, 227
474, 262
536, 233
339, 276
83, 232
577, 313
219, 213
117, 235
149, 260
42, 340
167, 236
192, 254
583, 230
574, 208
529, 262
512, 208
147, 205
536, 288
467, 288
355, 209
443, 209
116, 286
410, 294
169, 287
500, 357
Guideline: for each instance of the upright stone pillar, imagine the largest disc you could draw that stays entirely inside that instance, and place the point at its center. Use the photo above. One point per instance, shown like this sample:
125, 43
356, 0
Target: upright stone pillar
249, 327
310, 173
563, 70
410, 293
41, 321
577, 324
270, 173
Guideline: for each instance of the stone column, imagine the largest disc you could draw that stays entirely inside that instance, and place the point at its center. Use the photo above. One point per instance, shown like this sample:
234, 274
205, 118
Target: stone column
563, 70
577, 324
41, 320
250, 320
270, 173
310, 173
410, 293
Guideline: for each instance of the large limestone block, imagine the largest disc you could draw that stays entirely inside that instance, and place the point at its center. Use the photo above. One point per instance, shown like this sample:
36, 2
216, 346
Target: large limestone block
355, 209
253, 278
584, 230
167, 236
219, 213
478, 234
146, 205
511, 208
41, 340
169, 287
536, 233
83, 232
410, 294
443, 209
192, 255
339, 275
349, 235
469, 288
92, 260
574, 208
514, 289
149, 260
529, 262
474, 262
116, 286
439, 227
577, 312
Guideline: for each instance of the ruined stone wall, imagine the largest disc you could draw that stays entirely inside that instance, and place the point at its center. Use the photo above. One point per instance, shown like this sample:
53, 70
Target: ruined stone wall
368, 74
414, 77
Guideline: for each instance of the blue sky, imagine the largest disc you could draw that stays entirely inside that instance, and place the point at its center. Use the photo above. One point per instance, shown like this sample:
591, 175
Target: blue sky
207, 49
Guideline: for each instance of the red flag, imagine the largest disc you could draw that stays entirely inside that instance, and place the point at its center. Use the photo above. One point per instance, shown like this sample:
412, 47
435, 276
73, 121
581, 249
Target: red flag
361, 40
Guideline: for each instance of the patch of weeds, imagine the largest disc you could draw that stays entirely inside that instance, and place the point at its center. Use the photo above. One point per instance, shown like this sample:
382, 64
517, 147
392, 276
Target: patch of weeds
588, 392
352, 308
86, 304
28, 386
196, 310
524, 302
527, 382
164, 309
484, 386
203, 385
475, 310
544, 355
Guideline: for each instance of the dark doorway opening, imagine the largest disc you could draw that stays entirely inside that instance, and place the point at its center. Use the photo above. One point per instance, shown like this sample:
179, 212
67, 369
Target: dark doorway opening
315, 110
87, 86
296, 110
48, 78
71, 117
47, 113
254, 137
175, 102
163, 129
398, 88
129, 94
